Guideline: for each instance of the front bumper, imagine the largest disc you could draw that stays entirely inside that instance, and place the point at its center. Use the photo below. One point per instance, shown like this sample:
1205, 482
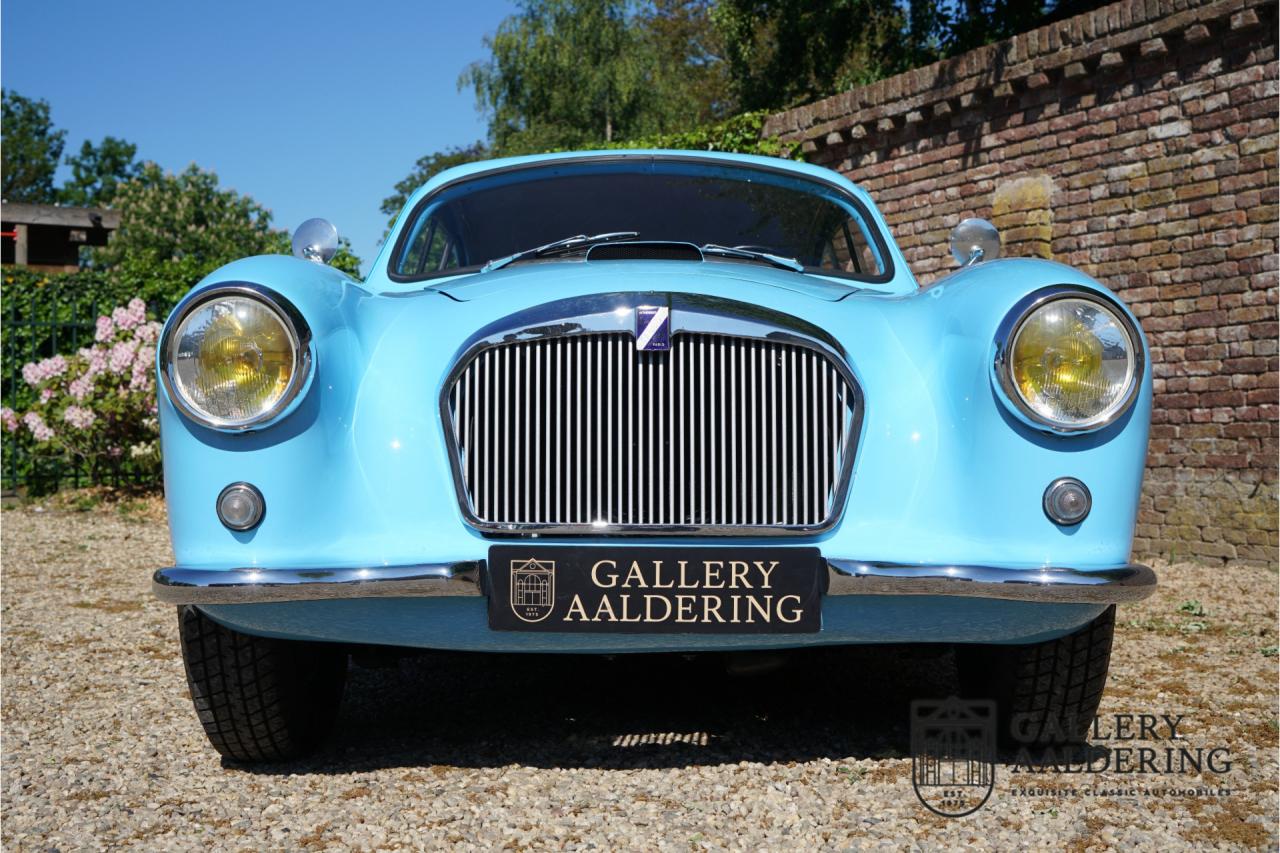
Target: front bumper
1052, 585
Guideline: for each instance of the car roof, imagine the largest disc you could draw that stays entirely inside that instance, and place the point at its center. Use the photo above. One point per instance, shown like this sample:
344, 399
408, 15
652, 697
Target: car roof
480, 167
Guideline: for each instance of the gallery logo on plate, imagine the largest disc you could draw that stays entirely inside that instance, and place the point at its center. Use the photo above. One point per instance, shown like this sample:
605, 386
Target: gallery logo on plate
533, 589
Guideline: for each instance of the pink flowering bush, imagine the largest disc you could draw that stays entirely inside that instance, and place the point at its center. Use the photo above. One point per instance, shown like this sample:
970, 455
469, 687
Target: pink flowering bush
99, 405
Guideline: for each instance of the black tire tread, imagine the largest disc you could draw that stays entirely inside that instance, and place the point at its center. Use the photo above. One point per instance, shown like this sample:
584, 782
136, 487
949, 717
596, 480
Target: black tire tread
259, 699
1050, 690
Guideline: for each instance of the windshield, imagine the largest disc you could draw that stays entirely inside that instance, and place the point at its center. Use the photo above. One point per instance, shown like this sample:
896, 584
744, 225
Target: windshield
476, 221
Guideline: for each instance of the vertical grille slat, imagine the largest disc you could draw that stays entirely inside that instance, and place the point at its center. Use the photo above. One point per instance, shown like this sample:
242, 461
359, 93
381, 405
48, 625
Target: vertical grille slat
719, 434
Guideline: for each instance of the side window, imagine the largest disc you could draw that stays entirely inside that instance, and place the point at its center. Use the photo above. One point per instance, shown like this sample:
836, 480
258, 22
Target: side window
850, 250
429, 249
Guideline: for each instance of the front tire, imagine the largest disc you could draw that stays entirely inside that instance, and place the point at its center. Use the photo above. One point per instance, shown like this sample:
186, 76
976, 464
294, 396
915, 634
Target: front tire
260, 699
1046, 692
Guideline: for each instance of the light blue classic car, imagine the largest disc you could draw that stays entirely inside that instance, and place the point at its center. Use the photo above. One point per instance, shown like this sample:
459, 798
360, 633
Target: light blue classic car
644, 401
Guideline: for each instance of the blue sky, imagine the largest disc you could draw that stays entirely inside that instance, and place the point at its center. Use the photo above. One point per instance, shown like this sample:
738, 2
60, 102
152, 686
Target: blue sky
313, 108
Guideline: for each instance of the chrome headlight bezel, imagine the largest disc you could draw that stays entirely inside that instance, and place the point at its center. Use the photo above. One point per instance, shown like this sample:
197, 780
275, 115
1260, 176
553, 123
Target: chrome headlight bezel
1002, 366
299, 337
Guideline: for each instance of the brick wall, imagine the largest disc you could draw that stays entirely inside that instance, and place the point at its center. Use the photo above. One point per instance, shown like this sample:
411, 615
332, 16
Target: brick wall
1137, 142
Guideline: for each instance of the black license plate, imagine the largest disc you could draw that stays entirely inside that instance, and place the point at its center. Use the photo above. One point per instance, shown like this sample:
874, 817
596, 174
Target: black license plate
655, 590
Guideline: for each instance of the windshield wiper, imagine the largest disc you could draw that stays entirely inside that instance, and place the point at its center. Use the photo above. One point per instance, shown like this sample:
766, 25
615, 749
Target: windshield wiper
559, 247
751, 254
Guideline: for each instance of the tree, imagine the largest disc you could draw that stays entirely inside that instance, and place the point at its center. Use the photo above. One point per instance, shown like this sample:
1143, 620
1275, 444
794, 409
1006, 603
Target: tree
425, 169
974, 23
785, 52
175, 229
691, 77
170, 217
780, 53
98, 171
565, 72
30, 149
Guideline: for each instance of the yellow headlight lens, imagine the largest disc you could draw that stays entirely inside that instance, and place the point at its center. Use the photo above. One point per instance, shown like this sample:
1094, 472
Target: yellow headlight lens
1072, 362
234, 358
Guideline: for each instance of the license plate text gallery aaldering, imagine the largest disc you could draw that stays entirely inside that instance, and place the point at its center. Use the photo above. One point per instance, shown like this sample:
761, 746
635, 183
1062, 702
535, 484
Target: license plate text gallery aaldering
655, 590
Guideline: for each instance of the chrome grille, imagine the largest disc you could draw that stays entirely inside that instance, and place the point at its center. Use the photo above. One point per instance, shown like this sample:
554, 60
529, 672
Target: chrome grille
584, 434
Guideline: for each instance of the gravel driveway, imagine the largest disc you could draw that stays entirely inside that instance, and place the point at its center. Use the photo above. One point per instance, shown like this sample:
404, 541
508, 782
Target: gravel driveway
101, 747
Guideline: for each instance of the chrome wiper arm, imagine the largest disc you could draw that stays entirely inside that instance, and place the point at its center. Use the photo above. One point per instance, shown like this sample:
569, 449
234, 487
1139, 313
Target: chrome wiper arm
579, 241
750, 254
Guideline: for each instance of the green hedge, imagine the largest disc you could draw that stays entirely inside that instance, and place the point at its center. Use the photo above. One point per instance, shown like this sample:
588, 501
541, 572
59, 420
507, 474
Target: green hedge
741, 134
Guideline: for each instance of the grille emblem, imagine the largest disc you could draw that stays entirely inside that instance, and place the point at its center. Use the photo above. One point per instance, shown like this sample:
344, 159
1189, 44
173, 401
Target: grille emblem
653, 329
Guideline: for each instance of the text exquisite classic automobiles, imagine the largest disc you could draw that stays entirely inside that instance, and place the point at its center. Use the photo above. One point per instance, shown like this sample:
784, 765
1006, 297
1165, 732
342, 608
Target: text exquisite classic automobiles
644, 401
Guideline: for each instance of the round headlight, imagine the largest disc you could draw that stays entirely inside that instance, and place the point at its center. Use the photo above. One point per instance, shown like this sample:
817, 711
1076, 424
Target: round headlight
1070, 361
236, 359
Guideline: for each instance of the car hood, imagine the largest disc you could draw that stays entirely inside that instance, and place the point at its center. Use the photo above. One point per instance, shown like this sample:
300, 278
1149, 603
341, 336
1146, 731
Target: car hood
571, 277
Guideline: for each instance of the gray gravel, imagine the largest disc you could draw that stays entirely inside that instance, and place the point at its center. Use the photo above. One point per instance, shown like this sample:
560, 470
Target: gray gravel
101, 748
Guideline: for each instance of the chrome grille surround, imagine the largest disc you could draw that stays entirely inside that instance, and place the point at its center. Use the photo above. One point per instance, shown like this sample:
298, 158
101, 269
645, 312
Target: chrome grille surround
783, 472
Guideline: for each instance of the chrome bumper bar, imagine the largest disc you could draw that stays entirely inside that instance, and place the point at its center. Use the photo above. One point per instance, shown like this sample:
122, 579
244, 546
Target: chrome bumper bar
845, 577
1049, 584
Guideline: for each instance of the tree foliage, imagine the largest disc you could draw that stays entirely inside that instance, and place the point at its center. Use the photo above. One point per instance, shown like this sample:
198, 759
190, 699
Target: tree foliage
29, 151
177, 228
691, 76
174, 228
582, 74
171, 217
742, 134
564, 72
98, 171
780, 53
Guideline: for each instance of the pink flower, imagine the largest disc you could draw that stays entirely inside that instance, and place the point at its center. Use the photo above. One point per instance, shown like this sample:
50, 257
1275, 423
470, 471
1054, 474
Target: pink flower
37, 426
120, 358
79, 417
132, 316
105, 330
148, 332
97, 361
46, 395
36, 372
82, 387
9, 419
141, 378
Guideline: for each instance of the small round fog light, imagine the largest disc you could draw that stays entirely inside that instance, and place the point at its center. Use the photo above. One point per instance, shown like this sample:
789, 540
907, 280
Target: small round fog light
240, 506
1067, 501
